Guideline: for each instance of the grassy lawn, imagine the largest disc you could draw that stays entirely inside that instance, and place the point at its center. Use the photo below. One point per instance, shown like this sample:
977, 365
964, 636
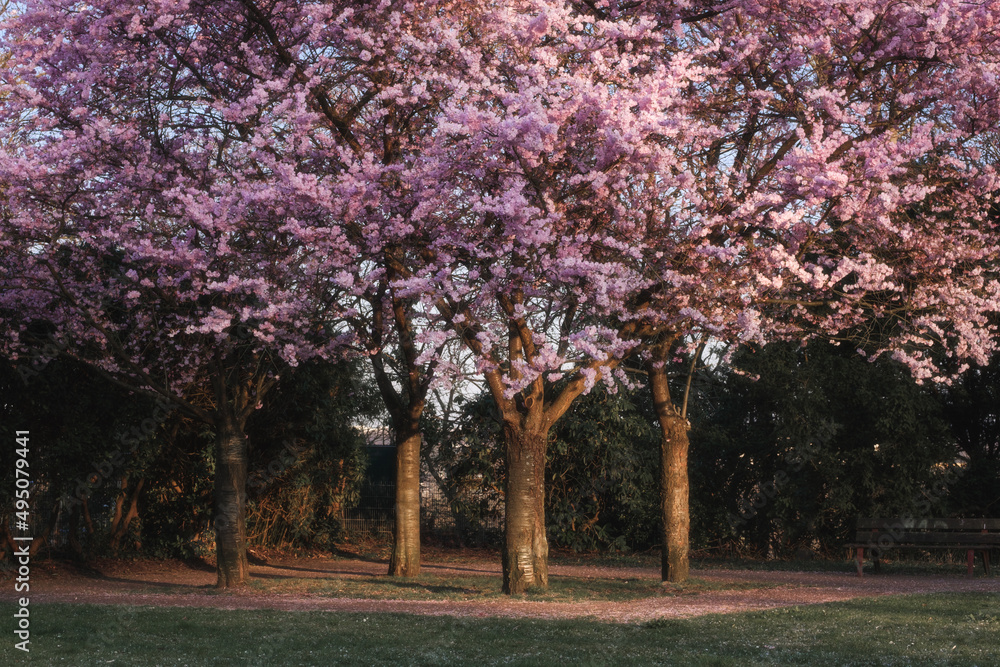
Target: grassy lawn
487, 587
901, 562
945, 629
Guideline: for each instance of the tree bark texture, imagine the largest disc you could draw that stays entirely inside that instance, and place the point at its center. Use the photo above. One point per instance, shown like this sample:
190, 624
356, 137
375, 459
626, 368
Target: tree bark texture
526, 547
230, 501
405, 560
674, 484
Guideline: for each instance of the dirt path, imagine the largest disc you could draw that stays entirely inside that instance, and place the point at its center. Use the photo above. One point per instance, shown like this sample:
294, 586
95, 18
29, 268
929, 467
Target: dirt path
184, 585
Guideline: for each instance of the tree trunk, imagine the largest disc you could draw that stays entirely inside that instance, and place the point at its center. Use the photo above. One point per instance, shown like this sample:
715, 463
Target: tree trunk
405, 407
526, 548
674, 486
230, 500
120, 526
119, 505
405, 560
88, 522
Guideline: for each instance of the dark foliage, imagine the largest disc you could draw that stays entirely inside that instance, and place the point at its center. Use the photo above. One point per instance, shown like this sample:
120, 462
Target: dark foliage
972, 409
794, 447
307, 458
97, 450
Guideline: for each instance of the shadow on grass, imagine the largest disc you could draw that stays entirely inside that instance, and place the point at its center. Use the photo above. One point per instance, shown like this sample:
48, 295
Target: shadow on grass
330, 574
199, 564
143, 584
338, 552
474, 570
435, 589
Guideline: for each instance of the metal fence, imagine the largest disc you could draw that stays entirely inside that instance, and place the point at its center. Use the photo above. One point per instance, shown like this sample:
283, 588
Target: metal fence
47, 515
374, 515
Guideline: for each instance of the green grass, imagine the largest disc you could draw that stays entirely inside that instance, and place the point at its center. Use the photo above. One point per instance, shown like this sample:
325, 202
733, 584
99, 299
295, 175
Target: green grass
944, 629
901, 562
487, 587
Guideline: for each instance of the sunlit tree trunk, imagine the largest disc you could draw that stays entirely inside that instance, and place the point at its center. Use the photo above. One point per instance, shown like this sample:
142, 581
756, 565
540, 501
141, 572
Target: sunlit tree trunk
230, 500
405, 560
674, 484
526, 547
527, 418
405, 405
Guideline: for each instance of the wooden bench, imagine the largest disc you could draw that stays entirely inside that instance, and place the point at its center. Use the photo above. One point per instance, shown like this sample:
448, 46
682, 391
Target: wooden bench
971, 535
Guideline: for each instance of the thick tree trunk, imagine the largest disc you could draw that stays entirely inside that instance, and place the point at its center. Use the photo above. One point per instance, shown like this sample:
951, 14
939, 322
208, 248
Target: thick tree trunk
526, 548
674, 489
674, 486
405, 560
230, 501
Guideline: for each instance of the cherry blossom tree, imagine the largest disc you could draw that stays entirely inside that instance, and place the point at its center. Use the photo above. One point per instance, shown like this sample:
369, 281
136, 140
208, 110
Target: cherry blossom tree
392, 119
852, 174
404, 369
625, 177
290, 120
152, 219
